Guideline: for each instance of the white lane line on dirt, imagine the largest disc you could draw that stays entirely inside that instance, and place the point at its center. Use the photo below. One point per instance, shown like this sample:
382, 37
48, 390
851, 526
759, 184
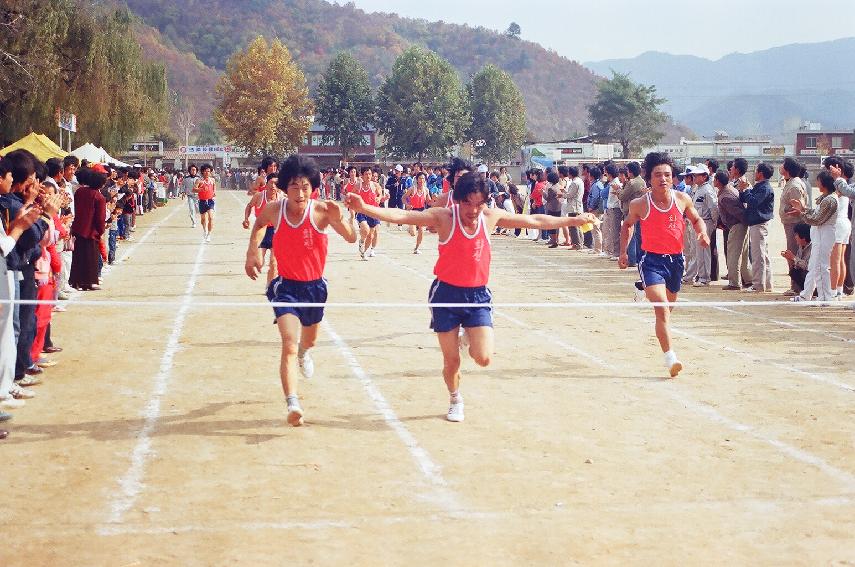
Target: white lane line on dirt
705, 410
430, 470
131, 484
357, 522
821, 378
788, 324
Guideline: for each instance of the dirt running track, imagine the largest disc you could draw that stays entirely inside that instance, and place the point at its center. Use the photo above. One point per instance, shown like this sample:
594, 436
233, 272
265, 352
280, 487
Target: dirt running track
160, 439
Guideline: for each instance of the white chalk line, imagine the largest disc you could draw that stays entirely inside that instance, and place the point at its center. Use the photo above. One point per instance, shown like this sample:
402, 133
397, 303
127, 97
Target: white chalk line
131, 484
356, 522
430, 470
711, 413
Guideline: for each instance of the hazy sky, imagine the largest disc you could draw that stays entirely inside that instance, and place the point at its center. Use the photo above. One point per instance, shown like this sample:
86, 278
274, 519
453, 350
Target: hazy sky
591, 30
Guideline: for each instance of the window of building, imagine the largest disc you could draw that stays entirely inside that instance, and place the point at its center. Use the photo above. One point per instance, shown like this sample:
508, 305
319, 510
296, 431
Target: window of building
810, 142
837, 141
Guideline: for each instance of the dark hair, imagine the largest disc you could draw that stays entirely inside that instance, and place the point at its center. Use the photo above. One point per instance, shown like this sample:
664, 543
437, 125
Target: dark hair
712, 164
792, 167
562, 170
634, 168
721, 177
826, 180
421, 174
22, 164
802, 230
552, 177
365, 169
741, 165
70, 160
468, 184
595, 172
848, 170
135, 174
266, 162
654, 159
573, 171
611, 170
91, 178
457, 164
729, 164
299, 166
41, 172
206, 166
53, 167
832, 161
4, 167
765, 170
354, 168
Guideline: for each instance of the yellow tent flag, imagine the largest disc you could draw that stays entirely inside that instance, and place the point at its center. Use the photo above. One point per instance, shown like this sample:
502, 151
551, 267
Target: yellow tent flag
40, 146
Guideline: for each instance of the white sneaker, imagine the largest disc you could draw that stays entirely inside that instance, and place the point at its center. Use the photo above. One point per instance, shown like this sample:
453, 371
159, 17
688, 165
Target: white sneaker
371, 253
295, 414
417, 251
700, 283
674, 366
208, 238
307, 366
12, 403
455, 411
20, 393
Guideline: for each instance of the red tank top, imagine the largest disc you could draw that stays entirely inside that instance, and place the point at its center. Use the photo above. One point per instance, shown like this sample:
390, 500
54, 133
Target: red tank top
301, 249
369, 196
417, 199
464, 259
206, 189
662, 231
264, 202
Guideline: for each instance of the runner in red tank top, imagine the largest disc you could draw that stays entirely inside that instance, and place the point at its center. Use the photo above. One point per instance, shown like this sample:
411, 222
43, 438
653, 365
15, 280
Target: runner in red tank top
270, 194
300, 244
206, 189
463, 269
660, 214
369, 227
415, 199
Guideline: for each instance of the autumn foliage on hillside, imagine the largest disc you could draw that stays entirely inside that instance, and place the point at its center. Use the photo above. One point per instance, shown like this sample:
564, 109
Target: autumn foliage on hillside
556, 89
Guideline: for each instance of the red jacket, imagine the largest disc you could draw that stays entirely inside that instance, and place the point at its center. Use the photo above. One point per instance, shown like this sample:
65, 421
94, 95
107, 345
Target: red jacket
90, 209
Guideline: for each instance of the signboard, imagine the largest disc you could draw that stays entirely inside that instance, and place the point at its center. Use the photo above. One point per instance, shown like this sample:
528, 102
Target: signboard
66, 120
204, 149
571, 151
774, 151
809, 152
147, 147
730, 150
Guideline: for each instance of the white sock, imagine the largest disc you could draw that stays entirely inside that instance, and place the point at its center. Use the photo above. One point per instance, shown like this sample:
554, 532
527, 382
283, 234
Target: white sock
670, 354
456, 397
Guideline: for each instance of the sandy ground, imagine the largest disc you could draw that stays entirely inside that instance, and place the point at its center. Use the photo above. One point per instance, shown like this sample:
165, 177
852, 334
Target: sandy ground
160, 439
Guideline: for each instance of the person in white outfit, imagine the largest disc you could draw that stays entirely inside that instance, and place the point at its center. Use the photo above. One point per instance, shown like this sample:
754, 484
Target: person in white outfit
842, 230
822, 219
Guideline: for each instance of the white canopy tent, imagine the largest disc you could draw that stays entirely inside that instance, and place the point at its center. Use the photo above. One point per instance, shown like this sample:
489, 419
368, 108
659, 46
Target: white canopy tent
90, 152
113, 160
95, 154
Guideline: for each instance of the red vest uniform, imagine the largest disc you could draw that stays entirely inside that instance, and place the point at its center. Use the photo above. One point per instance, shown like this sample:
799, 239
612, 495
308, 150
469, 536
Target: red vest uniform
301, 249
464, 259
662, 231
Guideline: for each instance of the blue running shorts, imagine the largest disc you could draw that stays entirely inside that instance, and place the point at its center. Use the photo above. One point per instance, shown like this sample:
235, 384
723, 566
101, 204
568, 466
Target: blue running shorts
444, 319
659, 269
291, 291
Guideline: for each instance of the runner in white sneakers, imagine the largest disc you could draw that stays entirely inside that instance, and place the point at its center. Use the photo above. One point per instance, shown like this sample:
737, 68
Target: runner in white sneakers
661, 213
372, 193
300, 247
415, 199
270, 195
463, 269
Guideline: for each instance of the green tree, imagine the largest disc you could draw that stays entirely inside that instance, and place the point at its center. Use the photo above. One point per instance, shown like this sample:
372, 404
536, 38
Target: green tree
83, 58
628, 113
256, 112
209, 134
498, 114
421, 106
344, 102
513, 30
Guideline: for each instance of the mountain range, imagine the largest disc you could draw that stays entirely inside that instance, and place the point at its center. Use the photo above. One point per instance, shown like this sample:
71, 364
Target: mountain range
769, 92
195, 39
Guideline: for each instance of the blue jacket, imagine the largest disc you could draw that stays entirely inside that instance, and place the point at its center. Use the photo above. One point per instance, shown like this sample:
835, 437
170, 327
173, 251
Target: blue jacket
27, 248
759, 203
595, 197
